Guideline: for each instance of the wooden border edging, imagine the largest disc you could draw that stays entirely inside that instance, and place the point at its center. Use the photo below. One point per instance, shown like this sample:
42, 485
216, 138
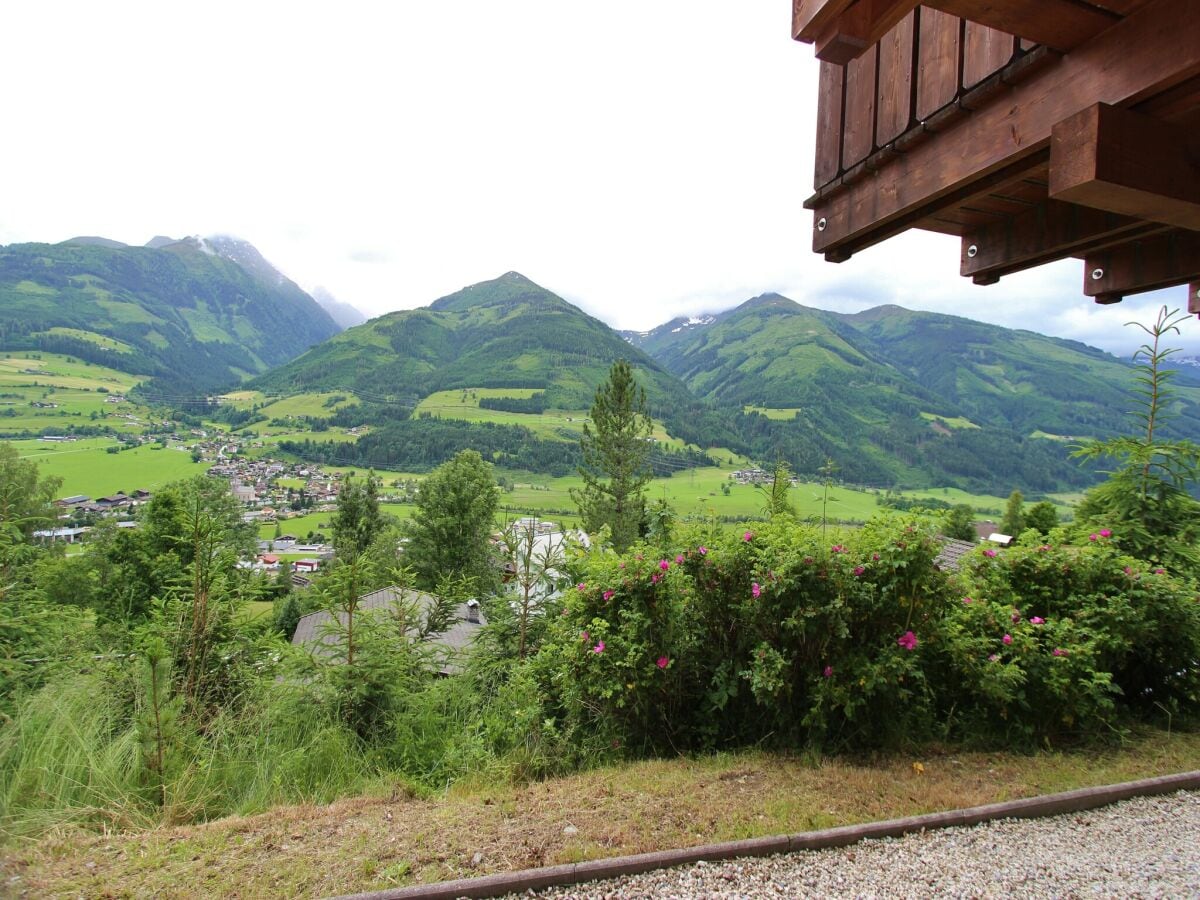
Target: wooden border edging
594, 870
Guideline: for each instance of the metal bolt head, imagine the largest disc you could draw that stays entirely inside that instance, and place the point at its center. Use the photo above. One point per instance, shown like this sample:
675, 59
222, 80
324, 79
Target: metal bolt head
821, 224
972, 251
1097, 274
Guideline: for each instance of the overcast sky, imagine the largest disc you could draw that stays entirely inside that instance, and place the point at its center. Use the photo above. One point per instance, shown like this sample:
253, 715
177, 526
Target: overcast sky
642, 159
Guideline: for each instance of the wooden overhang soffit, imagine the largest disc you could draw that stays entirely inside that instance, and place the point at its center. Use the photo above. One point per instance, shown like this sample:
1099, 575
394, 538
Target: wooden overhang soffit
1124, 162
843, 29
1115, 174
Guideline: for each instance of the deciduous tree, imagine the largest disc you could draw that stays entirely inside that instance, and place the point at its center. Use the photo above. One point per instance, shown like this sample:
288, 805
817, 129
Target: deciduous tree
449, 533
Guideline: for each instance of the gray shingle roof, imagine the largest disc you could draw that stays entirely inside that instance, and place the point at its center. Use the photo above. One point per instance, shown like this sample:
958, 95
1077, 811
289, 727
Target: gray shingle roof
949, 558
314, 629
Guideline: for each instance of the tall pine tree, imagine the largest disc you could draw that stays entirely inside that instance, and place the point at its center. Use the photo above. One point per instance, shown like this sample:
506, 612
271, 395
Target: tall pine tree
616, 456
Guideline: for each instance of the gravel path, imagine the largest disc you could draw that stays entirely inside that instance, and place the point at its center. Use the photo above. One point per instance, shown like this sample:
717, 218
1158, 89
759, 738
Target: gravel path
1146, 847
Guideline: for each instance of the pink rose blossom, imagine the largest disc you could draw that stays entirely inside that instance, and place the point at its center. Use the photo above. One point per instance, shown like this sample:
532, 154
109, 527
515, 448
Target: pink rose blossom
585, 637
808, 560
608, 595
581, 586
875, 557
748, 536
702, 550
1105, 532
1093, 537
1128, 571
1016, 616
908, 641
1160, 571
989, 552
654, 579
664, 565
599, 648
837, 548
828, 673
1007, 639
993, 657
1043, 548
663, 662
967, 600
1059, 651
1037, 620
679, 559
755, 590
620, 565
858, 570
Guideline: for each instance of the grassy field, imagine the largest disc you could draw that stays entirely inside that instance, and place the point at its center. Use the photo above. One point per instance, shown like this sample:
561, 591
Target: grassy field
779, 414
394, 838
73, 392
949, 422
86, 467
552, 425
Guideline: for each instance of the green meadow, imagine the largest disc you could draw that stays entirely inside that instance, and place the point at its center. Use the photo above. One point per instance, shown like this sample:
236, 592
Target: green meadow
77, 391
86, 466
553, 424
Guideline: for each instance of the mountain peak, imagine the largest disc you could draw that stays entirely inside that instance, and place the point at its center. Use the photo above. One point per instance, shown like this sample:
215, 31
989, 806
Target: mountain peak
511, 287
770, 300
93, 241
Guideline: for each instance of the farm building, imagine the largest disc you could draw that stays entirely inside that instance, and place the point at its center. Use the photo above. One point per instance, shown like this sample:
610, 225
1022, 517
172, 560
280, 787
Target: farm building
317, 631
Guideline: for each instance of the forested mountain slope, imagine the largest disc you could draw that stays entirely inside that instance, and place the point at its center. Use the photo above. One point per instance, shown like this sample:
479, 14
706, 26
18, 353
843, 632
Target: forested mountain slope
195, 315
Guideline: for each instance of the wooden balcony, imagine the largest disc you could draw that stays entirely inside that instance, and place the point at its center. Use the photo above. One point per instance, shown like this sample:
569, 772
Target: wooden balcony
1033, 129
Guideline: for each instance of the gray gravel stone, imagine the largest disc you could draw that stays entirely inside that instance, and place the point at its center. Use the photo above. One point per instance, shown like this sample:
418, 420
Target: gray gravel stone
1146, 847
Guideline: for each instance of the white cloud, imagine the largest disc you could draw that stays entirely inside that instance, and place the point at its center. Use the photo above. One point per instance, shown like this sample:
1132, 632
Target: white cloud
643, 159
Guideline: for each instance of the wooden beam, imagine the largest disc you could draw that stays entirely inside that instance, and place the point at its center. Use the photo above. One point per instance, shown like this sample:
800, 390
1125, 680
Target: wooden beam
1049, 231
1125, 64
810, 17
861, 26
1148, 264
1127, 163
1061, 25
841, 29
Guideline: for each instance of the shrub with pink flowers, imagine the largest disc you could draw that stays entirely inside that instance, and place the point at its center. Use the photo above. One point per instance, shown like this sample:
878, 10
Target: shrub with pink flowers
787, 637
858, 640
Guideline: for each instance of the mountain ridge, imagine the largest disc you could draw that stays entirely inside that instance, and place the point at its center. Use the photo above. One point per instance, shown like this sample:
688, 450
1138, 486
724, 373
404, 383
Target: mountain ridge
188, 316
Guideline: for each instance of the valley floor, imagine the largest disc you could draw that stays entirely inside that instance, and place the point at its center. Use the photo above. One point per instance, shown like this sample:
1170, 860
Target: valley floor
370, 843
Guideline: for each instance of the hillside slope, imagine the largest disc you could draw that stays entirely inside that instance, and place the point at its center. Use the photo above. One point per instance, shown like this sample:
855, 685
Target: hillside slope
194, 315
896, 395
503, 333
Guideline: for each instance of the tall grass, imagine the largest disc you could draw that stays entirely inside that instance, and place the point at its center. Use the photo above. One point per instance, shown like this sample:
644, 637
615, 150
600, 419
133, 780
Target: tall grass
71, 756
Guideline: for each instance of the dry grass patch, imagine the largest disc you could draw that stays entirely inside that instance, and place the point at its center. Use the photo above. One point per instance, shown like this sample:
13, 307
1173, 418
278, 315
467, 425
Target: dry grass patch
370, 843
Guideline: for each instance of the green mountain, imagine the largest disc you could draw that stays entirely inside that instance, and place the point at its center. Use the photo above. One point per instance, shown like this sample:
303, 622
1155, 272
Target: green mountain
195, 315
504, 333
894, 395
507, 333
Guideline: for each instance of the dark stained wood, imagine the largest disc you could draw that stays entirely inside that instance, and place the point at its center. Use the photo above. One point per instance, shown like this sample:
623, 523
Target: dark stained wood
894, 100
830, 103
859, 123
1123, 65
985, 51
1128, 163
1061, 24
1120, 7
838, 26
1049, 231
937, 61
1162, 261
860, 26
